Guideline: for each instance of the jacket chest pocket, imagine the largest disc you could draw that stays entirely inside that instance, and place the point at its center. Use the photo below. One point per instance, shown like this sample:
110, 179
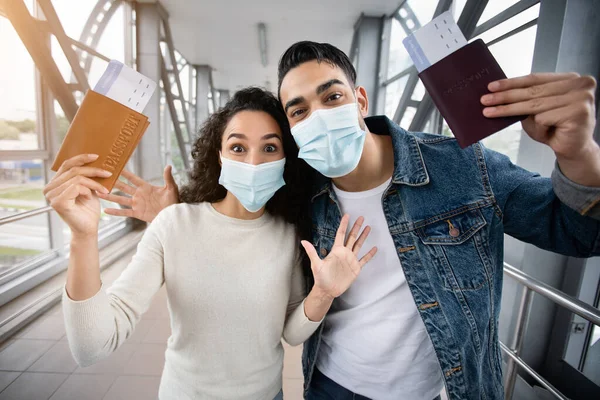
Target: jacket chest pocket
455, 243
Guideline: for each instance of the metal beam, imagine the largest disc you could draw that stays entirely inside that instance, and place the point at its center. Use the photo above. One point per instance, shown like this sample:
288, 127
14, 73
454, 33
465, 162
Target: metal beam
88, 49
171, 54
13, 155
33, 39
173, 111
65, 43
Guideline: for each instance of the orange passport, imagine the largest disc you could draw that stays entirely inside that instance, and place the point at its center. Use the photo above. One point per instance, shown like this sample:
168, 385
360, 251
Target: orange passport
105, 127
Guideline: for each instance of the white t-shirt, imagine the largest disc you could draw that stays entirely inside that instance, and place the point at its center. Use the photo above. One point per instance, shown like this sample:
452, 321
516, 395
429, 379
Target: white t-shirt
374, 341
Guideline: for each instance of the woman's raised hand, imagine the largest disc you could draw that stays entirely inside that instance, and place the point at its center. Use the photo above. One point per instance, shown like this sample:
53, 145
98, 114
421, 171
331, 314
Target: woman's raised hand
72, 193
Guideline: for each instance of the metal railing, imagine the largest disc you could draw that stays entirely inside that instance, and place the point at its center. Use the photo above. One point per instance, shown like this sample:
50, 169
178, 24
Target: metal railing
515, 361
42, 210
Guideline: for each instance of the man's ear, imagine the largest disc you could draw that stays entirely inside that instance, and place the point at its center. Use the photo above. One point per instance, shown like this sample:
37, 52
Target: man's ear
363, 101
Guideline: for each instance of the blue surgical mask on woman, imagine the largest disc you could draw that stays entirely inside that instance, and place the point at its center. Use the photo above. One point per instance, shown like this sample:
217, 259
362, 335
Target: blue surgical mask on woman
331, 140
252, 185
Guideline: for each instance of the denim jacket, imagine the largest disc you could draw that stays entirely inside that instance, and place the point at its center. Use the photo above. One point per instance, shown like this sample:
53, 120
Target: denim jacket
447, 210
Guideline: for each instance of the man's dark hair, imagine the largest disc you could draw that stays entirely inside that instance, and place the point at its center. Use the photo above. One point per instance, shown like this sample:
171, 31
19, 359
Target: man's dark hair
305, 51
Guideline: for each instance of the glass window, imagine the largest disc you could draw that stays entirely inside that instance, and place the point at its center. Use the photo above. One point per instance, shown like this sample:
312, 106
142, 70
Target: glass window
184, 77
515, 56
96, 70
515, 53
398, 59
419, 92
61, 60
446, 131
393, 93
408, 116
495, 7
510, 24
423, 10
18, 127
21, 184
73, 15
112, 41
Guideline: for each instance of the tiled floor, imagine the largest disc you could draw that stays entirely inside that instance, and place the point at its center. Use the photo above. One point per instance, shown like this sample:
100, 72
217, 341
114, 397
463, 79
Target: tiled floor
36, 364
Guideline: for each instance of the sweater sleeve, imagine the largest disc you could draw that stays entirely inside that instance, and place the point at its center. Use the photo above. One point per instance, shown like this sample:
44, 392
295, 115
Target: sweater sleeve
298, 328
97, 326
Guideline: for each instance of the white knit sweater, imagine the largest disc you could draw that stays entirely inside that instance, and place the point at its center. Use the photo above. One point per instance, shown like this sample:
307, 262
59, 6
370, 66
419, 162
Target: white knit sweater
234, 288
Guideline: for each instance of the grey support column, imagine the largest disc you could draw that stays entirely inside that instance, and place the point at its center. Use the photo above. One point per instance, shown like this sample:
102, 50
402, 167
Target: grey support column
202, 88
148, 23
368, 31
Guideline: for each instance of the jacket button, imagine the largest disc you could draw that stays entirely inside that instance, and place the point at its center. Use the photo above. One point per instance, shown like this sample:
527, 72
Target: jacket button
454, 232
323, 251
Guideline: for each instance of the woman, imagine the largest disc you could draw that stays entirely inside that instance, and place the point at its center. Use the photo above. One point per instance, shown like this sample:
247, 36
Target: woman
228, 255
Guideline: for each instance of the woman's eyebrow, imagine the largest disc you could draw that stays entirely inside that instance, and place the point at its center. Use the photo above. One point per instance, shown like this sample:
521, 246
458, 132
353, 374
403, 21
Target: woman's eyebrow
237, 135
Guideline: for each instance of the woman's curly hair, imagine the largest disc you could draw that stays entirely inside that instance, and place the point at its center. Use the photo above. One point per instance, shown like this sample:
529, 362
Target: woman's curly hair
291, 202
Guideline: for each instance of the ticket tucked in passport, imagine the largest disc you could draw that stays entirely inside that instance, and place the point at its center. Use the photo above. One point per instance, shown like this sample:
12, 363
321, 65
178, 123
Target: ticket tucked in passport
109, 121
456, 75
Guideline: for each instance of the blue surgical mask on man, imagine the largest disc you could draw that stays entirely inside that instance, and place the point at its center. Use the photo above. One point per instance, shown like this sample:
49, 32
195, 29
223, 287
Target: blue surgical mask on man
252, 185
331, 140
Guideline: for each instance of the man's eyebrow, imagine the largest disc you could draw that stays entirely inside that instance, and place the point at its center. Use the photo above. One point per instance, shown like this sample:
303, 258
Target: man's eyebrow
323, 87
293, 102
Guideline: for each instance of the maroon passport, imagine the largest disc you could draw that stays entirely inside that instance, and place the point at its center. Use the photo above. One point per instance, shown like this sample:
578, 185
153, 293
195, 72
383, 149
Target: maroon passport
456, 84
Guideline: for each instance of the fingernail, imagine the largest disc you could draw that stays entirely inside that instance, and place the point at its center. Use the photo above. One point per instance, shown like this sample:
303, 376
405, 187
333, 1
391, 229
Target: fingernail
104, 190
489, 110
494, 85
487, 99
106, 173
93, 156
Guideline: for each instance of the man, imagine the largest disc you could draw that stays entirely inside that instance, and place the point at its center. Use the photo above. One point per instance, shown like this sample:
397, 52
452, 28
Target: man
424, 313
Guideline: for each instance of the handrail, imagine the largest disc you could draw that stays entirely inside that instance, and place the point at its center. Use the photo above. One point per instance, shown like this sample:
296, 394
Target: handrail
584, 310
24, 215
518, 360
572, 304
42, 210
